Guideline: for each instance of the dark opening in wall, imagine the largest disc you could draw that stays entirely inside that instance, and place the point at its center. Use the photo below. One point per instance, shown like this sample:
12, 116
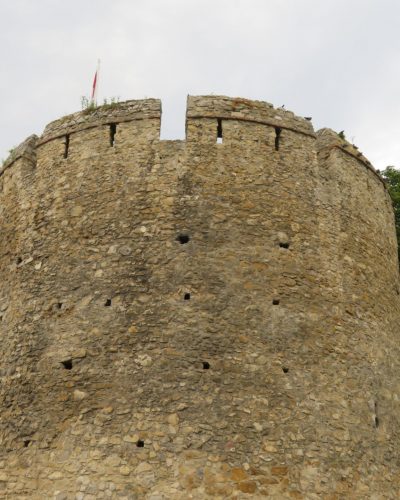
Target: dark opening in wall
140, 443
66, 146
206, 365
183, 238
26, 443
67, 364
59, 305
186, 296
284, 245
275, 302
113, 131
107, 303
19, 260
278, 131
285, 369
376, 418
219, 131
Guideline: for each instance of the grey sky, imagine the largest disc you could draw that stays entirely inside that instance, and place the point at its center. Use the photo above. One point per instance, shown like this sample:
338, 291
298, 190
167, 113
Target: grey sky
335, 60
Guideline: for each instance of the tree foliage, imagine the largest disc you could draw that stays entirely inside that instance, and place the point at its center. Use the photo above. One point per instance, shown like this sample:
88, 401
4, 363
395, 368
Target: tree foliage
392, 179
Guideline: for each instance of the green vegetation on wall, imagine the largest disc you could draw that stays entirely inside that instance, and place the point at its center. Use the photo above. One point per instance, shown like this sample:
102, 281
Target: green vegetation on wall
392, 179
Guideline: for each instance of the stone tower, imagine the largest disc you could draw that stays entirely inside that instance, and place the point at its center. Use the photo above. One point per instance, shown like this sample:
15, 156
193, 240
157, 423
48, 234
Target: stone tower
208, 318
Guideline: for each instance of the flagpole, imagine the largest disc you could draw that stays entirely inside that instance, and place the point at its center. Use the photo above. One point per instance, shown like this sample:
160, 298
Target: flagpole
95, 84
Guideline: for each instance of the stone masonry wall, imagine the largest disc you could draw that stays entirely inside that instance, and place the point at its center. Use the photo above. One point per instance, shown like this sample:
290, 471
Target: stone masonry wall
208, 318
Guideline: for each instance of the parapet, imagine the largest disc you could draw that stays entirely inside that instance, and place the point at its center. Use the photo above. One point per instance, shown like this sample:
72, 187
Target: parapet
103, 115
328, 139
26, 149
198, 108
235, 108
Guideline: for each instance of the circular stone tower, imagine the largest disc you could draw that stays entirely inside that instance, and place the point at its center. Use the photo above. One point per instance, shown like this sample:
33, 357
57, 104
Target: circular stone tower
208, 318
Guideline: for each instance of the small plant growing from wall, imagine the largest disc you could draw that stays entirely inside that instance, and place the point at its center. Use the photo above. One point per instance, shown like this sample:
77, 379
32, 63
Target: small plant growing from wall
10, 153
88, 106
110, 103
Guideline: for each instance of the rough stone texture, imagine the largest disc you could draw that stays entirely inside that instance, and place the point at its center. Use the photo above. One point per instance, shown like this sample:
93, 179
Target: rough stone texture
278, 376
26, 150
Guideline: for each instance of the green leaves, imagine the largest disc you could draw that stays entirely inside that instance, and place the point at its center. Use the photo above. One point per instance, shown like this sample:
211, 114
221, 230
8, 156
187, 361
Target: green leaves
392, 178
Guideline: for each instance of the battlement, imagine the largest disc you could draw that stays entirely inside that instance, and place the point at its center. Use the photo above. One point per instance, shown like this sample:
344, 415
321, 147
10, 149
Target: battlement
27, 149
220, 108
328, 139
210, 113
235, 108
103, 115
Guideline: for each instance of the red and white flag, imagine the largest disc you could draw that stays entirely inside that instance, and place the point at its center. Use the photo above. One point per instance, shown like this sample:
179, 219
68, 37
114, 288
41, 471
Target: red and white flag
95, 83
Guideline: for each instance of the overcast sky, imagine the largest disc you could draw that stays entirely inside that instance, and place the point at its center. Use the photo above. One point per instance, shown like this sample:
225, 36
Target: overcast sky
335, 60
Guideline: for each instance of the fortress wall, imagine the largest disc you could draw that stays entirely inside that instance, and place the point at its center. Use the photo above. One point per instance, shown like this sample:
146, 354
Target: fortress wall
248, 195
259, 383
250, 202
310, 302
103, 115
26, 150
244, 109
57, 199
365, 224
363, 251
15, 210
16, 217
132, 120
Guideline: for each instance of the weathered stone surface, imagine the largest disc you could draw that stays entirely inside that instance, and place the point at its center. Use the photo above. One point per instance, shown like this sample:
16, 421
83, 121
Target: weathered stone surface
187, 319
